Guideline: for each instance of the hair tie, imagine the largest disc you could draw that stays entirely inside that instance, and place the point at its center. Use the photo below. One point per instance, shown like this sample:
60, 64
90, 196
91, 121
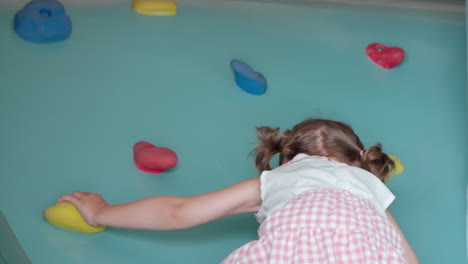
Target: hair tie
361, 152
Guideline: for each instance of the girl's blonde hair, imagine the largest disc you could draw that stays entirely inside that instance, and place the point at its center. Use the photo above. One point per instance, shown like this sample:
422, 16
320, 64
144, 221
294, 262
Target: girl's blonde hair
320, 137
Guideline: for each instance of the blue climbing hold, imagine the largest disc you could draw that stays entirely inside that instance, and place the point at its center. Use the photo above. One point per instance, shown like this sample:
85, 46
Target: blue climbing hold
42, 21
247, 79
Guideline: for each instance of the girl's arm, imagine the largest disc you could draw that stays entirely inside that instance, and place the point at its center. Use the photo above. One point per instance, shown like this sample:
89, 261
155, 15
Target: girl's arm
408, 253
169, 212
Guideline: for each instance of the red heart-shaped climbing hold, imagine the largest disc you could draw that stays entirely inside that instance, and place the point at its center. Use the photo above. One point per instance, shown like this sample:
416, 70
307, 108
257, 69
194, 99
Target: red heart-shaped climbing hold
153, 159
385, 57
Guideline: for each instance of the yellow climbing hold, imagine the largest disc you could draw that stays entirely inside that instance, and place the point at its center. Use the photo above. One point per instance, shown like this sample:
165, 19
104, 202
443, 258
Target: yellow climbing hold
155, 7
399, 168
66, 215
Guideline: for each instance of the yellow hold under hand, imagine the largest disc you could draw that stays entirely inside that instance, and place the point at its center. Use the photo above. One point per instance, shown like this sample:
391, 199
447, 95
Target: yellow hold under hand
66, 215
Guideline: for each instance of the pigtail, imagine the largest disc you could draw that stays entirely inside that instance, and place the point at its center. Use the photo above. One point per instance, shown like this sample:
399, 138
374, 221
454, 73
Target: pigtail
269, 144
376, 161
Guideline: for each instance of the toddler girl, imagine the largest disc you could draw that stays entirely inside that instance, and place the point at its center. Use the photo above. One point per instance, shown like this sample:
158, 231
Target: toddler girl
325, 203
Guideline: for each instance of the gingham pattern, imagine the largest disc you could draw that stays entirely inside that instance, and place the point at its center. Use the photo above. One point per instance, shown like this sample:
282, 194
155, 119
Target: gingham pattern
327, 226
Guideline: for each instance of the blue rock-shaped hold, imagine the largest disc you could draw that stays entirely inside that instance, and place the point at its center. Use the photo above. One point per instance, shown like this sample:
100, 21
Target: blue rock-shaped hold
247, 79
42, 21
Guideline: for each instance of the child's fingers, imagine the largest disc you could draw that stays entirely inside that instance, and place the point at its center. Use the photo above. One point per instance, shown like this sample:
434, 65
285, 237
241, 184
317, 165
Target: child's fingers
69, 198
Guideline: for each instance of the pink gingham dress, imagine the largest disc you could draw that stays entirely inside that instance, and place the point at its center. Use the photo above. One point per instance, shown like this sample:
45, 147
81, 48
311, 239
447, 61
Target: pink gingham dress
323, 226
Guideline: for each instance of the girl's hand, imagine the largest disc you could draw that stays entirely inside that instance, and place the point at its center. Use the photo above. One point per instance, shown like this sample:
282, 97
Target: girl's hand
89, 205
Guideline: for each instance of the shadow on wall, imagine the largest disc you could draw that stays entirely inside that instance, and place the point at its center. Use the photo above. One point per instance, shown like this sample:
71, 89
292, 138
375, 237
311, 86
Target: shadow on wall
11, 251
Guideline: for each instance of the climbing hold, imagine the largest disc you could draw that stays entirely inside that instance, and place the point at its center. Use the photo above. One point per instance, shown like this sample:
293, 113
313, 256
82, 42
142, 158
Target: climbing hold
155, 7
385, 57
66, 215
42, 21
247, 79
152, 159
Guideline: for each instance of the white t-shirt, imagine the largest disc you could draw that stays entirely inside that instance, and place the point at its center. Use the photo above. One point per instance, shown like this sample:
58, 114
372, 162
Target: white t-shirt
305, 173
